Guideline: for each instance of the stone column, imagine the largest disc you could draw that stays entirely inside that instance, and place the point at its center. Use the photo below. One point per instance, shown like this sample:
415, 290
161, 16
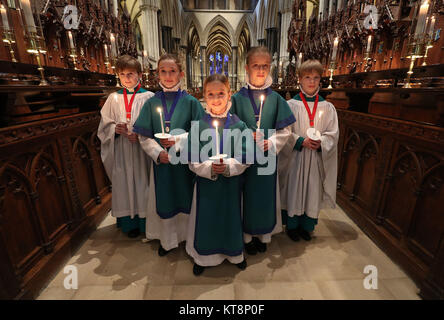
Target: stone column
166, 39
203, 64
149, 27
285, 25
234, 59
184, 60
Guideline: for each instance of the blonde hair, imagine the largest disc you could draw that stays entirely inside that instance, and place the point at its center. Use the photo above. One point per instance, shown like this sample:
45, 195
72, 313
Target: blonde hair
128, 62
217, 78
256, 51
310, 66
170, 56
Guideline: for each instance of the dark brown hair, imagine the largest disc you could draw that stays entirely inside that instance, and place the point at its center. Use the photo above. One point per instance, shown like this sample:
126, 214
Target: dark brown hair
217, 77
258, 50
128, 62
170, 56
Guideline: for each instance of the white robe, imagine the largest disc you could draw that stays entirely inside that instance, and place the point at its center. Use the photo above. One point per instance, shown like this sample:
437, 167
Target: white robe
170, 231
235, 168
308, 177
126, 164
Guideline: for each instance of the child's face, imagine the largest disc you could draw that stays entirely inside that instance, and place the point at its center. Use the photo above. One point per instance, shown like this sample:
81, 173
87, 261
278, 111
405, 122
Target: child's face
129, 77
258, 69
169, 73
310, 82
217, 96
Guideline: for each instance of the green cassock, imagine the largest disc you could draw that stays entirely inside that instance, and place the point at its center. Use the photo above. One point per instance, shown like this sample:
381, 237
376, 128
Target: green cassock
175, 190
259, 193
218, 225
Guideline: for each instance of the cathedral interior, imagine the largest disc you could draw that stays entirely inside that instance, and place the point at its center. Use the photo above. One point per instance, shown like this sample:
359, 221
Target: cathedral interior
383, 71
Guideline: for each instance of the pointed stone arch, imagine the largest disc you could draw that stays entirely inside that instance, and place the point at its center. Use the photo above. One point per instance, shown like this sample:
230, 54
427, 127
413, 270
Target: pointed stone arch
248, 21
218, 20
188, 22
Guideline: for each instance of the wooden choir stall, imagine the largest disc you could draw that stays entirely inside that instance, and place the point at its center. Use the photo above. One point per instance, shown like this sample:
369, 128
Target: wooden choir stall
53, 80
386, 79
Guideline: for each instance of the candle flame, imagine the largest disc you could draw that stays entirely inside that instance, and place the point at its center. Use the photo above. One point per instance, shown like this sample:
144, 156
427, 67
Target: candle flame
215, 123
159, 109
262, 98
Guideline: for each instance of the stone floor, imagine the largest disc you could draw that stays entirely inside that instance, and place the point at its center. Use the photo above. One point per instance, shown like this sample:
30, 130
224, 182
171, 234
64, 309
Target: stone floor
330, 266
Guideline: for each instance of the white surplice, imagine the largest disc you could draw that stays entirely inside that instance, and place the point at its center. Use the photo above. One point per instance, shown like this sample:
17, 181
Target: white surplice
126, 164
308, 177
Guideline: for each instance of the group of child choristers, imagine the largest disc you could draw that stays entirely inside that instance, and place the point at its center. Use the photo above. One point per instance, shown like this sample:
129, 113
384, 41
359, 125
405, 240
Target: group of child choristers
219, 202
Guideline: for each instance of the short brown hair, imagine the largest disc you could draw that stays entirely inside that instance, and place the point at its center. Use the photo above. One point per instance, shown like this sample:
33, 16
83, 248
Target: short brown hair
217, 77
128, 62
310, 66
170, 56
256, 51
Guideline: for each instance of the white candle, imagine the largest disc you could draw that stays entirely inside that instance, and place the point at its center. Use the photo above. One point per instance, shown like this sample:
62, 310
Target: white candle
260, 111
29, 18
420, 25
144, 60
106, 50
4, 17
161, 119
299, 60
335, 49
369, 43
71, 43
431, 27
216, 124
113, 46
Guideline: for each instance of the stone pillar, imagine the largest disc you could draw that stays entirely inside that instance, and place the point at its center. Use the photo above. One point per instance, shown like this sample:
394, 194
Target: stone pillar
234, 59
203, 64
272, 40
149, 27
182, 53
285, 25
167, 39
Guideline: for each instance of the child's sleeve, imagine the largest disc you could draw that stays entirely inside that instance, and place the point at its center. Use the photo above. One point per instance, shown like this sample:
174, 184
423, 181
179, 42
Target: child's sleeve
106, 134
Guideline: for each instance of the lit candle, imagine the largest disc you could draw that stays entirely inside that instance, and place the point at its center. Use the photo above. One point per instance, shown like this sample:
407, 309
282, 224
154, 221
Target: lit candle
29, 18
144, 60
216, 124
4, 17
335, 49
299, 60
260, 111
420, 24
71, 43
113, 46
106, 50
161, 119
369, 43
431, 27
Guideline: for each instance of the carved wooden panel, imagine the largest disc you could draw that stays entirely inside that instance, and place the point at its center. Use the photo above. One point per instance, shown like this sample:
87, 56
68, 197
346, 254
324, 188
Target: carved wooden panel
48, 197
391, 182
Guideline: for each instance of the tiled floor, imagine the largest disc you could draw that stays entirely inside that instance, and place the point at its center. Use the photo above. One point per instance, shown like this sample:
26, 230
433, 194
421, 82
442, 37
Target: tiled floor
331, 266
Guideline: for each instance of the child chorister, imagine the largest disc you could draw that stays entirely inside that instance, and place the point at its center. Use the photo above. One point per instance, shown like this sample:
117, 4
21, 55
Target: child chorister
261, 200
308, 164
125, 162
170, 111
215, 226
